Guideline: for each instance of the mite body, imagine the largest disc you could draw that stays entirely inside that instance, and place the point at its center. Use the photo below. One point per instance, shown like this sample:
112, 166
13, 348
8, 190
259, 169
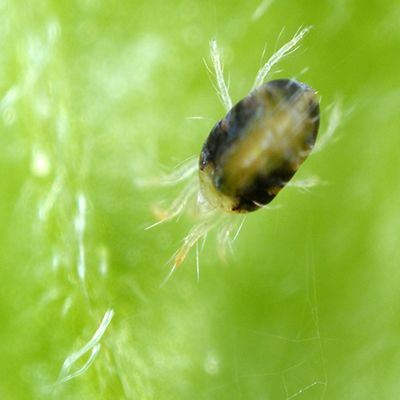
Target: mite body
254, 151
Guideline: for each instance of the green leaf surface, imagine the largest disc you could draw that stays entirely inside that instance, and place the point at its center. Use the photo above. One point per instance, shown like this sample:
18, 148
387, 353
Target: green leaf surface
97, 101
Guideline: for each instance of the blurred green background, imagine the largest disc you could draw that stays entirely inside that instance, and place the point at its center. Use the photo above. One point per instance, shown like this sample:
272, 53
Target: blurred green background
97, 96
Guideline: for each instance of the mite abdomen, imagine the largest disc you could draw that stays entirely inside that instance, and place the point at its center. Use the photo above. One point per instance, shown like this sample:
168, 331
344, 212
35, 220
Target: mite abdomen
253, 152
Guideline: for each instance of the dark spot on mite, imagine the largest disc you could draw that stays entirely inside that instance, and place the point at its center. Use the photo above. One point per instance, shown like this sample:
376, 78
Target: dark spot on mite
264, 188
203, 163
313, 109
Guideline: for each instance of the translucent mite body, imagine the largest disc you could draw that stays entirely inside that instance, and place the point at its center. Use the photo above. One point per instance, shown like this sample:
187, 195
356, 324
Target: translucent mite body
252, 153
249, 155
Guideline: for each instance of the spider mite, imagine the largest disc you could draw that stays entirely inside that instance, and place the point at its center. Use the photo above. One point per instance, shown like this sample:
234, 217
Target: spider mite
249, 155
